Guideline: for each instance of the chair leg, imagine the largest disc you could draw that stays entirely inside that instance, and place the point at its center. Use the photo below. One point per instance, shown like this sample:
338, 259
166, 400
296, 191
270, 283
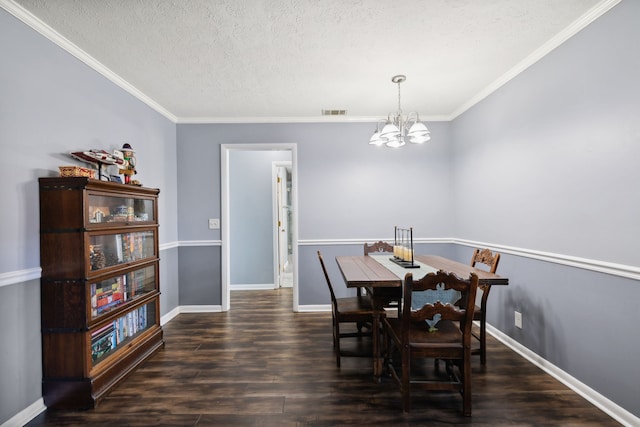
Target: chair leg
466, 383
386, 357
333, 330
337, 342
483, 340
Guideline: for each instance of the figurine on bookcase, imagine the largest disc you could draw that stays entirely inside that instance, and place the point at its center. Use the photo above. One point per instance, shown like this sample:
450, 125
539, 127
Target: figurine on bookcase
129, 163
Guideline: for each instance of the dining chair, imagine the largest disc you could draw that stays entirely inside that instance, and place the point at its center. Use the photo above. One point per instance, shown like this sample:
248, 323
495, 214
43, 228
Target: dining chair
381, 247
488, 261
432, 330
357, 310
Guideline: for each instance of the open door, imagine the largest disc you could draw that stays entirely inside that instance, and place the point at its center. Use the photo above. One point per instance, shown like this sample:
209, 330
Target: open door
283, 218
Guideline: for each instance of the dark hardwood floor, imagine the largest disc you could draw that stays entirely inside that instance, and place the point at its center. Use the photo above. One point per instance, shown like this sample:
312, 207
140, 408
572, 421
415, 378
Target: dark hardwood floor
263, 365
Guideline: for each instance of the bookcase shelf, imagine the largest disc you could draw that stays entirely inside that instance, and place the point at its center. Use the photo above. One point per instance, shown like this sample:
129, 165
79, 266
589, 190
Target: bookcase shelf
100, 299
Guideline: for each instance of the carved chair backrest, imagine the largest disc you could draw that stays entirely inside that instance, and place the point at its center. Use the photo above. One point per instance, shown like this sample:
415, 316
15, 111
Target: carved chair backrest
457, 309
490, 261
486, 257
380, 246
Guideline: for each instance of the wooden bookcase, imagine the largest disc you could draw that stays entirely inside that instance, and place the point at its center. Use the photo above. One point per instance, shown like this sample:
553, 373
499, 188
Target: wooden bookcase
100, 308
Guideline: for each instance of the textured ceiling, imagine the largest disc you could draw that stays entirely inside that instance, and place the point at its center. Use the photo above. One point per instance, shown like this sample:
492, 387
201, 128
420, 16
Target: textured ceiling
233, 60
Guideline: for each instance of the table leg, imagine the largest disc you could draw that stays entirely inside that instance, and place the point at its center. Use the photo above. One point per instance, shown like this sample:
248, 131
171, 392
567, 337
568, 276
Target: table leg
377, 360
379, 298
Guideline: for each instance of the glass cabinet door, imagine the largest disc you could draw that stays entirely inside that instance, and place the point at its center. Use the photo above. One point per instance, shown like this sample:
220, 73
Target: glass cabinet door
111, 209
106, 339
106, 250
113, 292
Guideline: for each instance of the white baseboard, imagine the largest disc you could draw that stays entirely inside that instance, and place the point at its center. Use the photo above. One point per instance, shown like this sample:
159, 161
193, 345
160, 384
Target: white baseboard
610, 408
200, 308
253, 287
170, 315
26, 415
311, 308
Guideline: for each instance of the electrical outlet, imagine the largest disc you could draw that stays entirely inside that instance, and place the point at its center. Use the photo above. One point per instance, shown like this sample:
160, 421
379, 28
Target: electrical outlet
518, 319
214, 223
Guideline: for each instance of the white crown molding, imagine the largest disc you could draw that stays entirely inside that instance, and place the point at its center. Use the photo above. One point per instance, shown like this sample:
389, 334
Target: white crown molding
34, 22
315, 119
586, 19
607, 406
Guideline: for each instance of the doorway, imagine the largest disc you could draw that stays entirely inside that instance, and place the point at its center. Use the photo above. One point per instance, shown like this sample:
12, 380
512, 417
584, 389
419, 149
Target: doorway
232, 236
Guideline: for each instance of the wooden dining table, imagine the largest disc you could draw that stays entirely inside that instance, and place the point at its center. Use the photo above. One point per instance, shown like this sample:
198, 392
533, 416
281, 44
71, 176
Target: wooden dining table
385, 285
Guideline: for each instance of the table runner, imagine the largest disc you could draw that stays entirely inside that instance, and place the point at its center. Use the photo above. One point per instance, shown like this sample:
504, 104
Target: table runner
400, 271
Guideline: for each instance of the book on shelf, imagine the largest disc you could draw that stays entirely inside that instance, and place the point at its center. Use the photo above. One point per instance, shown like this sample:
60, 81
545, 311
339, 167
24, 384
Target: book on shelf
119, 253
103, 341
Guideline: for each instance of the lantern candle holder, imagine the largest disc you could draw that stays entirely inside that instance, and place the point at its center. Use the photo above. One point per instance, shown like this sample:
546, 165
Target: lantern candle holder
403, 248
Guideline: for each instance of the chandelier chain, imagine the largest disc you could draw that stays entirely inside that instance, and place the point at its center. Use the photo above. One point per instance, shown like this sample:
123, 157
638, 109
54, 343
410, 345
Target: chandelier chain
399, 107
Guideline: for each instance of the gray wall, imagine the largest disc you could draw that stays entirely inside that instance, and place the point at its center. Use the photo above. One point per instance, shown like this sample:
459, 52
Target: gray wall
346, 188
52, 104
549, 163
251, 216
199, 271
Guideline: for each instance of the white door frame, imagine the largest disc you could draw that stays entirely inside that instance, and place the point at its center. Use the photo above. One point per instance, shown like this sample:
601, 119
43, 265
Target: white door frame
225, 214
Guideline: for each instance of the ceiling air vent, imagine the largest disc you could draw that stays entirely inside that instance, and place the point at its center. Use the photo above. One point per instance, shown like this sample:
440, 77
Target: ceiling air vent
334, 112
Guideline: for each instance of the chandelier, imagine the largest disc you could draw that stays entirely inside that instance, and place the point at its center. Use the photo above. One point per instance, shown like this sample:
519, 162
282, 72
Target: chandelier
397, 128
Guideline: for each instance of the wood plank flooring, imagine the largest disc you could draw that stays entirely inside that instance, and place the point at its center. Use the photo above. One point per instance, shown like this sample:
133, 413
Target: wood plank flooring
263, 365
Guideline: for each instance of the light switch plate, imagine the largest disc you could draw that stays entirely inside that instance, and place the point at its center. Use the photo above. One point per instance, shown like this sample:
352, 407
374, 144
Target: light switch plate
214, 223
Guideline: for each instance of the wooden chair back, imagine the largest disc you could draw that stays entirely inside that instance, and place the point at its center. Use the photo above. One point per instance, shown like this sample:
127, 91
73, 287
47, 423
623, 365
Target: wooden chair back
488, 261
442, 286
327, 279
379, 246
487, 258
